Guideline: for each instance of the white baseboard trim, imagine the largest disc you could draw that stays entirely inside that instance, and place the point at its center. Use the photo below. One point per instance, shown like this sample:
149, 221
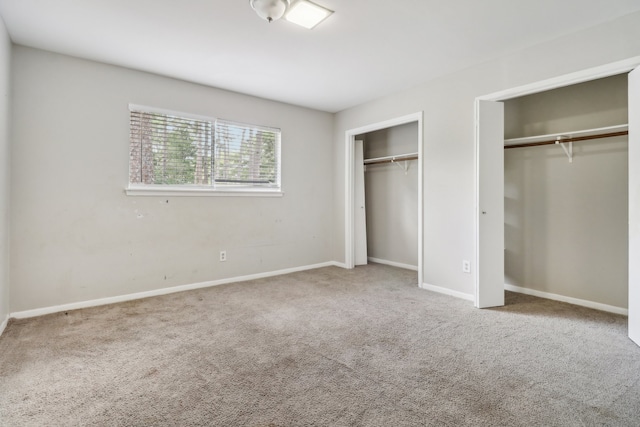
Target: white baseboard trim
450, 292
339, 264
393, 263
3, 325
570, 300
164, 291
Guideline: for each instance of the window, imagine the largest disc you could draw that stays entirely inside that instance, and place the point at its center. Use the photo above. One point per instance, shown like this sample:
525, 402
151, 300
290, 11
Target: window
174, 152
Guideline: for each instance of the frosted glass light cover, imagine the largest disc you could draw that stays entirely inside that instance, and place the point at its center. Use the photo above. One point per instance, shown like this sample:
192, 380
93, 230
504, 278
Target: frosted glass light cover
270, 10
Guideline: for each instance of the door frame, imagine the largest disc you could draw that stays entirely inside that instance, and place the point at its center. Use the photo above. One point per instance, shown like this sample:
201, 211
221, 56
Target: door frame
349, 226
594, 73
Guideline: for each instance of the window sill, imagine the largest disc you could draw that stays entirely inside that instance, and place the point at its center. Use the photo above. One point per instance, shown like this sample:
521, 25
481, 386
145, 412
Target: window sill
163, 191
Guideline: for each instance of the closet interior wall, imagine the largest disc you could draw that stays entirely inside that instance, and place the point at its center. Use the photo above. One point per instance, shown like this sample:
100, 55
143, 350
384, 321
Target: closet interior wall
566, 223
391, 196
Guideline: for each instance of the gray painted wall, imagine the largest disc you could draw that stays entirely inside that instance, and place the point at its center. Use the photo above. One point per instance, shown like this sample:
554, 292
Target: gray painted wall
566, 224
76, 236
392, 196
5, 95
597, 103
449, 148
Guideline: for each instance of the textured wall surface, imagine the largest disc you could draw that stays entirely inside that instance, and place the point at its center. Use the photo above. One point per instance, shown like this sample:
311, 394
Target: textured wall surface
76, 236
449, 147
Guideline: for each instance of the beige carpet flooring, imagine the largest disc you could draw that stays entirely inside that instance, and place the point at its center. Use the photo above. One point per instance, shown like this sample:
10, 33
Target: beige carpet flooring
328, 347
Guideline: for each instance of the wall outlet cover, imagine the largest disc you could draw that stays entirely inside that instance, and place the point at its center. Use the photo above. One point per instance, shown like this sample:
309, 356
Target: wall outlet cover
466, 266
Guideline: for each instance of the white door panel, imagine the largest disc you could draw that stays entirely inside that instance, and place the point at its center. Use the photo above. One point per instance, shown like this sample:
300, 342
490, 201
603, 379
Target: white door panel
490, 209
634, 205
359, 206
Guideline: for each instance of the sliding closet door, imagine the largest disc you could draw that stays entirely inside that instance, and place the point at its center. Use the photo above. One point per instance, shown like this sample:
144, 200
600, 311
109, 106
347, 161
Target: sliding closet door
490, 209
634, 205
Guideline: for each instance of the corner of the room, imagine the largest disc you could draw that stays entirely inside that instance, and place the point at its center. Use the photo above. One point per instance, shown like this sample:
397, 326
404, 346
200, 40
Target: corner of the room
5, 67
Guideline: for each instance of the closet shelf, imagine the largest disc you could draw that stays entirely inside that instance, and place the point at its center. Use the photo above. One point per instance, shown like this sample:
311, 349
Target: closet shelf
554, 138
391, 159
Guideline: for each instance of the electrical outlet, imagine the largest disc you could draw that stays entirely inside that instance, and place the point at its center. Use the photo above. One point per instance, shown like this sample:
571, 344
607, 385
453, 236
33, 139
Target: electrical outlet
466, 266
223, 256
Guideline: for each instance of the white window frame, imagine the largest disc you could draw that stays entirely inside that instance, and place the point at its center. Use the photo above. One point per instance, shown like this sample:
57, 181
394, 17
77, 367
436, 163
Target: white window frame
134, 189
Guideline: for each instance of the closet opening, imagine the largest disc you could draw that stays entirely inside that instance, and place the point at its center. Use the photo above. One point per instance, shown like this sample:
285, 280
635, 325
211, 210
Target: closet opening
492, 196
387, 196
566, 194
384, 200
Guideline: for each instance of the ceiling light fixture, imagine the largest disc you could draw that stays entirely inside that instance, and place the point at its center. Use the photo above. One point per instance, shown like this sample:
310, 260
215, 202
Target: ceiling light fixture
270, 10
307, 14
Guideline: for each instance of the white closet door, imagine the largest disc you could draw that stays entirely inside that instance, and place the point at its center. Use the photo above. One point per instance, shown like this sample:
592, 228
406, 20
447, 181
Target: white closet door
634, 205
360, 214
490, 209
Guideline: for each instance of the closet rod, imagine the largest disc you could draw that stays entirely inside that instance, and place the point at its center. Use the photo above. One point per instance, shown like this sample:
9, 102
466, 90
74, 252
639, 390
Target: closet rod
574, 139
393, 159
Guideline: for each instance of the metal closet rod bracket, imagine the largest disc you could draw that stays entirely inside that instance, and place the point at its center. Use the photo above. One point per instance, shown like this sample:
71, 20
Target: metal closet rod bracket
405, 168
569, 151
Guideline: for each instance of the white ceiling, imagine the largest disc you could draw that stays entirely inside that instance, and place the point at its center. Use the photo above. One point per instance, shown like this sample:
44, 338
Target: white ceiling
366, 49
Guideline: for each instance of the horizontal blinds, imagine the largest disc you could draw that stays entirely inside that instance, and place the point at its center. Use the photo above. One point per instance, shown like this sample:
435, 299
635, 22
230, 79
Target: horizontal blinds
246, 154
168, 150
